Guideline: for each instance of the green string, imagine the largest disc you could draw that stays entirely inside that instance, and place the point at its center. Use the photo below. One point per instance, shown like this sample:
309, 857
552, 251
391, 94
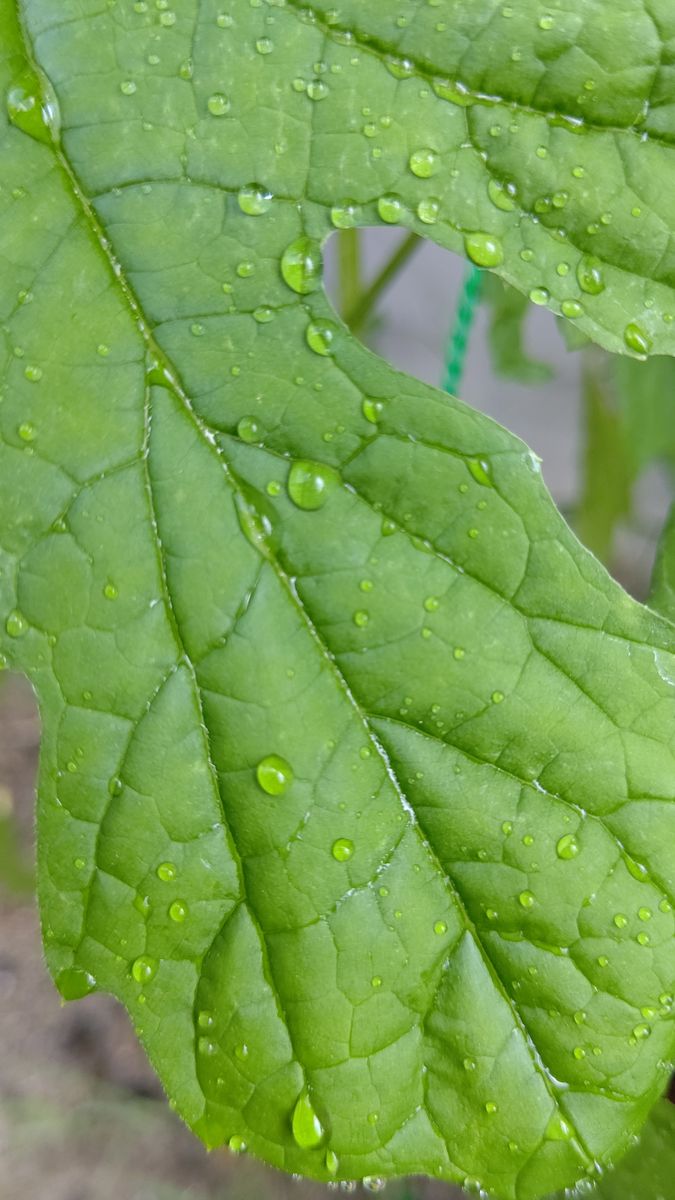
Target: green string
461, 332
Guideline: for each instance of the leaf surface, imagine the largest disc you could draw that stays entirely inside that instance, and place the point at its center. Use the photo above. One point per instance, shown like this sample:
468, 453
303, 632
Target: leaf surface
357, 773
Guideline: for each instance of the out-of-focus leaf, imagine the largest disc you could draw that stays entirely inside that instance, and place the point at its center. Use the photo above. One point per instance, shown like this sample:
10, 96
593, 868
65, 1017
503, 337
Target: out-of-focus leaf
508, 312
646, 397
608, 471
662, 594
15, 874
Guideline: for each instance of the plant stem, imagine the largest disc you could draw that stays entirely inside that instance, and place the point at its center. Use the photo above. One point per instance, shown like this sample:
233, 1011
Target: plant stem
357, 314
349, 268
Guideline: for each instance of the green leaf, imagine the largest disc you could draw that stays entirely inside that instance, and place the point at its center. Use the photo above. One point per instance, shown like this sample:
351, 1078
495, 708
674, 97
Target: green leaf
662, 592
609, 469
508, 312
357, 772
647, 1172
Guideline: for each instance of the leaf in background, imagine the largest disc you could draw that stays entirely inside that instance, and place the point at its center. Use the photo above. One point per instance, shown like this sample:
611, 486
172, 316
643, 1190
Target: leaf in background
15, 874
662, 592
608, 467
357, 773
646, 398
508, 313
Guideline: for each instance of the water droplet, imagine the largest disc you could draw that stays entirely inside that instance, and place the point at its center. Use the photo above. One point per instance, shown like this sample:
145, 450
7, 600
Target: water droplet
320, 335
641, 1032
110, 591
342, 849
332, 1162
307, 1128
27, 432
428, 210
374, 1183
264, 45
16, 624
317, 89
637, 339
206, 1019
500, 196
484, 249
571, 309
74, 983
440, 927
33, 373
254, 199
490, 1107
400, 68
343, 215
546, 22
219, 105
32, 106
424, 163
178, 911
645, 914
372, 409
263, 314
589, 275
207, 1047
603, 961
167, 872
241, 1051
540, 296
579, 1053
144, 969
236, 1144
361, 618
167, 19
643, 939
248, 430
526, 899
301, 265
309, 484
497, 697
127, 87
391, 209
274, 774
567, 847
376, 981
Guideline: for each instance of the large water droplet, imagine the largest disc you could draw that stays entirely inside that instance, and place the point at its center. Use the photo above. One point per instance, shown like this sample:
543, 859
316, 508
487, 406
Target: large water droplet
274, 774
310, 483
342, 849
320, 336
167, 872
178, 911
16, 624
484, 249
589, 275
32, 106
343, 215
637, 339
332, 1162
301, 265
391, 209
218, 104
500, 196
307, 1128
254, 199
567, 847
144, 969
424, 163
74, 983
248, 430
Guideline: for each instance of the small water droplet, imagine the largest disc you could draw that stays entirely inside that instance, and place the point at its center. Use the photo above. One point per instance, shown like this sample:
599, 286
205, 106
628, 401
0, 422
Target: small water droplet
540, 296
645, 914
361, 618
526, 899
374, 1183
254, 199
16, 624
342, 849
236, 1144
110, 591
641, 1032
343, 215
391, 209
428, 210
115, 786
301, 265
372, 409
167, 872
127, 87
32, 106
144, 969
33, 373
440, 927
310, 483
500, 196
264, 45
248, 430
571, 309
490, 1107
497, 697
332, 1162
484, 249
307, 1128
546, 22
274, 774
620, 921
27, 432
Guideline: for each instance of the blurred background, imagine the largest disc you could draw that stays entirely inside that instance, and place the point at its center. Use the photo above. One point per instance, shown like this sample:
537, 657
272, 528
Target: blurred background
81, 1115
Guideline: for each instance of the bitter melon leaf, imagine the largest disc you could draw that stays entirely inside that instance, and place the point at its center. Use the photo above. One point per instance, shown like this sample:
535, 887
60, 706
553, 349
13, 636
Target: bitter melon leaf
648, 1170
357, 772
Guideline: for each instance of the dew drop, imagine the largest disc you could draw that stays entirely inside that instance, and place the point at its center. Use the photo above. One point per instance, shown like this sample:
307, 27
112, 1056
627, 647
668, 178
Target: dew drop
579, 1053
490, 1107
424, 163
144, 969
343, 215
308, 1131
372, 409
274, 774
497, 697
484, 249
361, 618
115, 786
127, 87
301, 265
309, 484
428, 210
526, 899
571, 309
16, 624
332, 1162
590, 277
33, 373
440, 927
645, 914
264, 45
167, 872
500, 196
320, 335
178, 911
110, 591
374, 1183
26, 432
32, 106
248, 430
342, 849
236, 1144
206, 1020
636, 339
74, 983
641, 1032
207, 1047
241, 1051
254, 199
567, 847
540, 296
391, 209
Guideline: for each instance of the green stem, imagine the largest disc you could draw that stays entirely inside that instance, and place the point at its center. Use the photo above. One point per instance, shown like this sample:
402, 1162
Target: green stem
358, 313
349, 268
459, 339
